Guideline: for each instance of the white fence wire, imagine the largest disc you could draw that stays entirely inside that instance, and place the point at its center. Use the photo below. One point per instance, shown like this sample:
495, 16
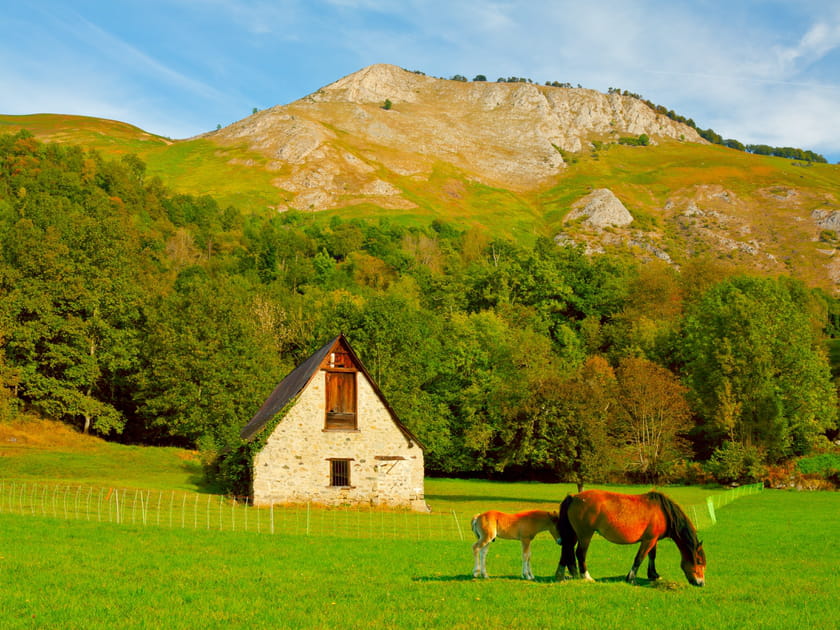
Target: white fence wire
190, 510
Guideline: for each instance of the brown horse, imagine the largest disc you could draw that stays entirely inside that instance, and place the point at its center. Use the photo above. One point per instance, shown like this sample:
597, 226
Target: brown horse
628, 519
520, 526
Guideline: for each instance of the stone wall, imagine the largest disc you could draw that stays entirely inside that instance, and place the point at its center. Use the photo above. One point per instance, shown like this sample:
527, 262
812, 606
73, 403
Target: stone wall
294, 466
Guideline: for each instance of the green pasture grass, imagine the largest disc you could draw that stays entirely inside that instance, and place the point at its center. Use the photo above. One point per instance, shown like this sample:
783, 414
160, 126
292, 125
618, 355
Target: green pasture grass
772, 564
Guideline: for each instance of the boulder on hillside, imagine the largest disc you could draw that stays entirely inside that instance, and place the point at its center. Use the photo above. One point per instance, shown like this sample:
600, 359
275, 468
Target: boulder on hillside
827, 219
601, 209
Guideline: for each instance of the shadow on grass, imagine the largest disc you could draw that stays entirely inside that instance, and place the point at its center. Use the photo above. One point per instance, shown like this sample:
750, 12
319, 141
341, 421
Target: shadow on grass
663, 585
660, 584
469, 578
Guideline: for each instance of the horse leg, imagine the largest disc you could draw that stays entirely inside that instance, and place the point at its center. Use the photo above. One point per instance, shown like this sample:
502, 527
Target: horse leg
567, 560
480, 555
526, 559
644, 549
652, 574
582, 550
560, 573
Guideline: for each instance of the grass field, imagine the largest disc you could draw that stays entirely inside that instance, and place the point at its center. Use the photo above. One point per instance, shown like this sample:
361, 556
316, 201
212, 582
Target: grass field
772, 564
773, 561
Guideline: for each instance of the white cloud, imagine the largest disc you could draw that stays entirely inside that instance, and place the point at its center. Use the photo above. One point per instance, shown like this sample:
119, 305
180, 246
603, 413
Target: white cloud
822, 38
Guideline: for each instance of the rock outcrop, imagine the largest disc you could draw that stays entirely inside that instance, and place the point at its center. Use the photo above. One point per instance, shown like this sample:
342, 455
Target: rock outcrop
601, 208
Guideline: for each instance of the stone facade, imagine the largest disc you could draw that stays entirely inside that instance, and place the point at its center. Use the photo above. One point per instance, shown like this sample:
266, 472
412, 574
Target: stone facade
385, 465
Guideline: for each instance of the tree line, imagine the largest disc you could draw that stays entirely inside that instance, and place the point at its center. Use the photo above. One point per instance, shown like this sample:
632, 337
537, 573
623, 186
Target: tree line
148, 316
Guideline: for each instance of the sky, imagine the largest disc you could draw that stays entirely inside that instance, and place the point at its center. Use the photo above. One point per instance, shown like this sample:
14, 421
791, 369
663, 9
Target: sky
758, 71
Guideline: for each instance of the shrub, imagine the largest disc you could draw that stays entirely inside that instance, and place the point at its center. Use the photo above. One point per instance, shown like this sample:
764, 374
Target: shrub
642, 141
735, 463
825, 466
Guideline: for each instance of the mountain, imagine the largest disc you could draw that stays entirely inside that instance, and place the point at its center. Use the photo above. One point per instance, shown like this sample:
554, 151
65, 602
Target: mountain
514, 159
341, 145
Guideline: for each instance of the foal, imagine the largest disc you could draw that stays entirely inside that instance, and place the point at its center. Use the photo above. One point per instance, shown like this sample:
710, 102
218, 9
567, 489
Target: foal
520, 526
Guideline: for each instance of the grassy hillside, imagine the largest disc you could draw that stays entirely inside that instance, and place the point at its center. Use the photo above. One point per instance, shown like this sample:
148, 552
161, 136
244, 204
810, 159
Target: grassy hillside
193, 166
756, 210
52, 452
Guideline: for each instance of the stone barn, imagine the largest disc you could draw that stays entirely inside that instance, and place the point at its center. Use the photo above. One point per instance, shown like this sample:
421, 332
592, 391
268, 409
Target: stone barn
333, 439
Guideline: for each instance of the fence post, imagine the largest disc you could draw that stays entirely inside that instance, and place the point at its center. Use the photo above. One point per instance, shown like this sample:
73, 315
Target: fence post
711, 505
458, 525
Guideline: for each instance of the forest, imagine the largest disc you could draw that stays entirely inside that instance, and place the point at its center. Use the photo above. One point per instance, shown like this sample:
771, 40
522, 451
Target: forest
146, 316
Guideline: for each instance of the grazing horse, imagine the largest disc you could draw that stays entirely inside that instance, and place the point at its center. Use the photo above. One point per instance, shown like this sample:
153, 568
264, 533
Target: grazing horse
628, 519
520, 526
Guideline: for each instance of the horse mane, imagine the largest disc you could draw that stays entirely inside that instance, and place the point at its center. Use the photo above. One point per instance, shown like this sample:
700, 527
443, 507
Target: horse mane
678, 527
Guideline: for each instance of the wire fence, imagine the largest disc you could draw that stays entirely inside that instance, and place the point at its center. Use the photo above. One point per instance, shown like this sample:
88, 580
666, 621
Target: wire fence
704, 515
190, 510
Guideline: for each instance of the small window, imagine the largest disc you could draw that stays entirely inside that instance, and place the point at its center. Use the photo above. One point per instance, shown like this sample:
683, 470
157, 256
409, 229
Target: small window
339, 472
340, 360
341, 401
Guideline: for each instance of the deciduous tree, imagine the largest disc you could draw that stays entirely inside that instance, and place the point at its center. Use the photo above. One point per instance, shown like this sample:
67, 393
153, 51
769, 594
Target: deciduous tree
652, 415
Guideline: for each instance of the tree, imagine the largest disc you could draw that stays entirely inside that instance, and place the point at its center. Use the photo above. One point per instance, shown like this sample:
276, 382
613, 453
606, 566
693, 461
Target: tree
387, 104
568, 421
207, 363
651, 416
71, 296
756, 366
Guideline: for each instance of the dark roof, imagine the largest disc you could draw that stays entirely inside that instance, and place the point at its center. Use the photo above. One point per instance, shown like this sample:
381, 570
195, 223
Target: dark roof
299, 378
288, 388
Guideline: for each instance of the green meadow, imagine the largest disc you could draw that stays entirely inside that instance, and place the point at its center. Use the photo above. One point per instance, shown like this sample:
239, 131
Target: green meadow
772, 557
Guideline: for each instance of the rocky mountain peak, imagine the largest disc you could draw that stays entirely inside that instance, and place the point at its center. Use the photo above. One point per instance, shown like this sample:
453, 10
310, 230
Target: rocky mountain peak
341, 145
374, 84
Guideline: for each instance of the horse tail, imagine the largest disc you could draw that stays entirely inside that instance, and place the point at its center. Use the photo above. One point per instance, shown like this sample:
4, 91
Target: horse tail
568, 535
474, 526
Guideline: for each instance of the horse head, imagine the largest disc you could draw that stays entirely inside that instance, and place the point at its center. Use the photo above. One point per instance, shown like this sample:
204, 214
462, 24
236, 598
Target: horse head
694, 565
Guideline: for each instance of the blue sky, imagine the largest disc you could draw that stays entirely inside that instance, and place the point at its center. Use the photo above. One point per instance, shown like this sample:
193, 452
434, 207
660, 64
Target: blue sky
757, 71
